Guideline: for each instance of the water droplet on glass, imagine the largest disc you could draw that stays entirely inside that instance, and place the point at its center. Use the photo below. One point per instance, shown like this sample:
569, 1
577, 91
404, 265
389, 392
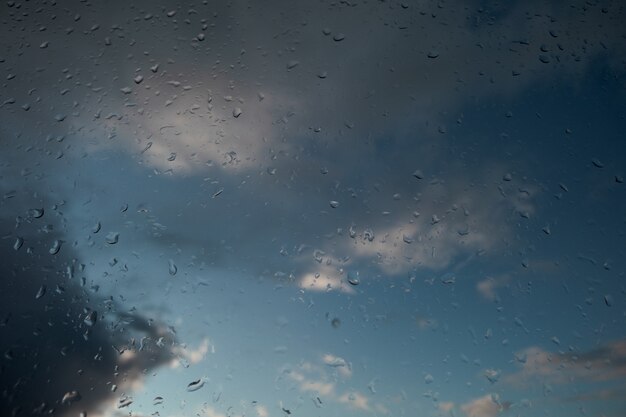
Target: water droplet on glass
597, 163
157, 401
334, 204
41, 292
432, 55
172, 267
18, 243
96, 227
70, 397
195, 385
237, 112
292, 64
407, 239
339, 37
91, 318
138, 79
36, 213
112, 238
507, 177
353, 278
429, 379
124, 402
56, 247
418, 174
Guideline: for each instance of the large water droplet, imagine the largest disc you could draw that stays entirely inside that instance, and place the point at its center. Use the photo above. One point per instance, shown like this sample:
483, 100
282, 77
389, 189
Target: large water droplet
56, 247
195, 385
112, 238
172, 267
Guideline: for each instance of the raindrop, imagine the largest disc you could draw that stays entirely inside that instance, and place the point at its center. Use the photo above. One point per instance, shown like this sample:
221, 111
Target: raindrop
36, 213
407, 239
507, 177
18, 243
96, 227
597, 163
237, 112
126, 90
154, 68
91, 318
322, 74
124, 402
112, 238
608, 300
138, 79
70, 397
172, 267
339, 37
429, 379
334, 204
41, 292
292, 64
56, 247
432, 55
172, 157
353, 278
195, 385
157, 401
418, 174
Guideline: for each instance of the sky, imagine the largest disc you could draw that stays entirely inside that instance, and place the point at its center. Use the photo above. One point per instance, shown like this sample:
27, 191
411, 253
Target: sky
312, 208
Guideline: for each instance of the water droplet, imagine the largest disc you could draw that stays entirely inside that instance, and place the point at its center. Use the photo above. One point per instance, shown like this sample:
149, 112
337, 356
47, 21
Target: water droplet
154, 68
112, 238
608, 300
322, 74
96, 227
237, 112
433, 55
339, 37
172, 267
292, 64
407, 239
418, 174
157, 401
126, 90
334, 204
91, 318
172, 157
138, 79
619, 179
56, 247
429, 379
597, 163
70, 397
36, 213
18, 243
326, 31
41, 292
507, 177
353, 278
195, 385
124, 402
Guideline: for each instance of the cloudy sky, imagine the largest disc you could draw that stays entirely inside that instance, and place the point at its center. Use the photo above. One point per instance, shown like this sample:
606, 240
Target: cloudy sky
297, 208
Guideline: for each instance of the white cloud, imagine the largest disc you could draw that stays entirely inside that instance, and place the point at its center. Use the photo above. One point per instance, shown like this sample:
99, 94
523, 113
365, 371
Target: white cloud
481, 407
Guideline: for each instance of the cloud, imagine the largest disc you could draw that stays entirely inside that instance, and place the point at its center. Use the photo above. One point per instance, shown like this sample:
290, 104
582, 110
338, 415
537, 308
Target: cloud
485, 406
605, 363
487, 287
355, 400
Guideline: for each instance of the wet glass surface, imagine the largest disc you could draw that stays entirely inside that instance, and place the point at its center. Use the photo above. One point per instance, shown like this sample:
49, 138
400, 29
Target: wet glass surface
331, 208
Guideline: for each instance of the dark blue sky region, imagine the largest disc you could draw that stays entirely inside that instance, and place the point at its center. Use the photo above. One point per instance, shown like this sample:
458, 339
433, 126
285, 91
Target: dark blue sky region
354, 208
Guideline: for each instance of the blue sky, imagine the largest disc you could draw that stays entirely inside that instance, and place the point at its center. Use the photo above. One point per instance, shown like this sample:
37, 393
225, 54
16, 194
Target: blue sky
354, 208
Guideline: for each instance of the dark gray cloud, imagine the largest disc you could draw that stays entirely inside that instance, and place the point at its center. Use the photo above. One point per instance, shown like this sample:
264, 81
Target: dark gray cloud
58, 334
